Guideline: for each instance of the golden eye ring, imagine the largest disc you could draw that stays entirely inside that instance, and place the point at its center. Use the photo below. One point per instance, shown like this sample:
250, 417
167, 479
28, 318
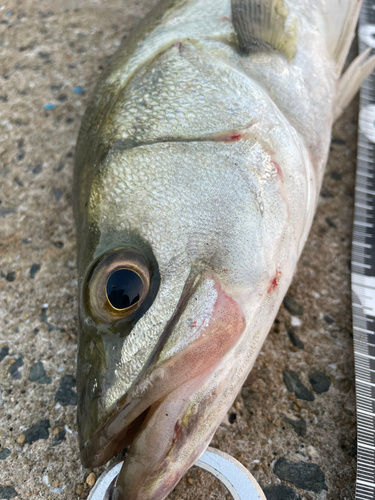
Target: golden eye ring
118, 285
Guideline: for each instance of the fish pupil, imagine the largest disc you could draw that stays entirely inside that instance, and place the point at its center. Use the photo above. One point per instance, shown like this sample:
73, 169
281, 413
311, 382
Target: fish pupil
124, 288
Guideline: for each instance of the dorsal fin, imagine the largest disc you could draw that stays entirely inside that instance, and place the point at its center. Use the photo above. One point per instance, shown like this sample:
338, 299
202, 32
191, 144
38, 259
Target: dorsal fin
260, 25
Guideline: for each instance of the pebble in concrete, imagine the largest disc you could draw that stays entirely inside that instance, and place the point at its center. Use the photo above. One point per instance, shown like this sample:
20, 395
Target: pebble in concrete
281, 493
294, 384
7, 492
59, 438
65, 394
329, 319
4, 352
38, 431
298, 425
13, 369
295, 340
34, 269
11, 276
38, 374
320, 382
292, 306
304, 475
4, 453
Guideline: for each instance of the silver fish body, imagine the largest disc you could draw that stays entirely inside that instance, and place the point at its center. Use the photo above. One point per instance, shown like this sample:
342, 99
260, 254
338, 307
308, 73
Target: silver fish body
198, 167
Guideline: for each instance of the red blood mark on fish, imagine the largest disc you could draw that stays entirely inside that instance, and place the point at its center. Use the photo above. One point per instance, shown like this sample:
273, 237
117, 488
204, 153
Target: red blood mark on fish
225, 270
193, 324
233, 137
178, 45
278, 170
274, 282
225, 18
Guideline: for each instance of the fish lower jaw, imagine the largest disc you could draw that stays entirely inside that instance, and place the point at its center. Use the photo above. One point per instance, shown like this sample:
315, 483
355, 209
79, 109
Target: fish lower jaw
161, 451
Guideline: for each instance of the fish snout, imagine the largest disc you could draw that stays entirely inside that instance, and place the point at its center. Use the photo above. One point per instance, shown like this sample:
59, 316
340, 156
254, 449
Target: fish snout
169, 415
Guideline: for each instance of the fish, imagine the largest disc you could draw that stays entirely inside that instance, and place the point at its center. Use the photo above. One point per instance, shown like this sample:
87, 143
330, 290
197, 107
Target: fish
197, 172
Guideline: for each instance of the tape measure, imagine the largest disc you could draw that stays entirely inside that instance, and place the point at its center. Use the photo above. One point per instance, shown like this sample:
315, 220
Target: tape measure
235, 477
363, 270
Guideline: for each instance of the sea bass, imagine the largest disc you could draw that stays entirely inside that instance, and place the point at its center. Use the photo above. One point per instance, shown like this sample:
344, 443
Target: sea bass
198, 166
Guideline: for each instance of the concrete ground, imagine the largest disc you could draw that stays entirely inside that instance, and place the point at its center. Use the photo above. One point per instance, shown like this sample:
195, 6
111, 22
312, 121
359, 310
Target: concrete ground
50, 55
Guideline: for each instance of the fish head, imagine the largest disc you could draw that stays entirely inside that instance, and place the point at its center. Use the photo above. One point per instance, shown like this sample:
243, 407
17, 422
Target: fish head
202, 238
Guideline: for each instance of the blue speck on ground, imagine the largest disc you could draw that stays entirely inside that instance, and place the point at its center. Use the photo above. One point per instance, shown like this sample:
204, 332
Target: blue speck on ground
49, 106
78, 90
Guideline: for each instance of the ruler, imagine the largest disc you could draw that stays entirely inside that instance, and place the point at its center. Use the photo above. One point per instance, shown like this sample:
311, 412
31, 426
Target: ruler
363, 270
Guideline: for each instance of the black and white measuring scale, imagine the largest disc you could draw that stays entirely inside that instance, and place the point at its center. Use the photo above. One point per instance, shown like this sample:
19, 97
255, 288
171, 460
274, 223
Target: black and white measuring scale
363, 270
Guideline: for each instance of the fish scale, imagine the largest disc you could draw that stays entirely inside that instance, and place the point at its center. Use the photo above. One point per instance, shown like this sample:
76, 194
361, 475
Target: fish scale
363, 271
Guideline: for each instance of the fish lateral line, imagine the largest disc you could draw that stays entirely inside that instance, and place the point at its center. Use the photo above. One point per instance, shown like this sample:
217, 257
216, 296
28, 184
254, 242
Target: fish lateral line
226, 136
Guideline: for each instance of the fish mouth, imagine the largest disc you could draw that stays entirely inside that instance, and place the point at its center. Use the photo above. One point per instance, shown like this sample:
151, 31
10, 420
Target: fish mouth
169, 389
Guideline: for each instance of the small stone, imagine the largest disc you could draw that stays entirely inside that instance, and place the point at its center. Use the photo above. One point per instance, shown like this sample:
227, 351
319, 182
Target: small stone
320, 382
295, 321
90, 480
329, 319
38, 374
4, 352
292, 306
56, 88
326, 193
190, 480
59, 437
330, 222
4, 211
37, 169
65, 394
281, 493
57, 194
232, 418
295, 340
338, 141
21, 439
311, 451
304, 475
38, 431
294, 384
336, 176
7, 492
13, 369
298, 425
60, 166
4, 453
11, 276
34, 269
79, 489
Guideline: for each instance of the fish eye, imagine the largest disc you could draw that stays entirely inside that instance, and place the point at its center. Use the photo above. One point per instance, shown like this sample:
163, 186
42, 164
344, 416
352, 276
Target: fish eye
124, 289
118, 285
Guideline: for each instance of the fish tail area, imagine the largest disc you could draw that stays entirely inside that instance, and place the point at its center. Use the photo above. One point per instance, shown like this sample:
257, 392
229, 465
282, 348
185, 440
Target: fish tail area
351, 80
341, 18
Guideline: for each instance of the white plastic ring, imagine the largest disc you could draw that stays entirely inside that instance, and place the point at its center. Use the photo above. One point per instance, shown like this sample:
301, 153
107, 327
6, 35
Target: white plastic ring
234, 476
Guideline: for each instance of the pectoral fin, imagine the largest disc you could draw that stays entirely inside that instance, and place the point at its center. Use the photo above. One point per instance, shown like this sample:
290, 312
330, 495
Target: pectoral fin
261, 25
